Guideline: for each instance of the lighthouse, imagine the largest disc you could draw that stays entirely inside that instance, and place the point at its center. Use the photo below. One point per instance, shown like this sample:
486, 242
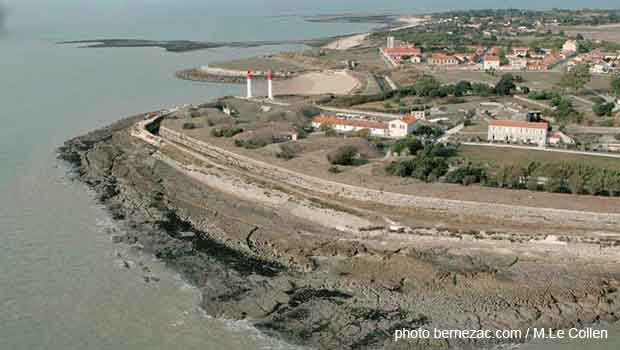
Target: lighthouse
270, 85
249, 84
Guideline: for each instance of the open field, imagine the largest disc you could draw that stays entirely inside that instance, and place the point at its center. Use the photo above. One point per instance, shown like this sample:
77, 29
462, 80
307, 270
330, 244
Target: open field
507, 156
609, 32
534, 80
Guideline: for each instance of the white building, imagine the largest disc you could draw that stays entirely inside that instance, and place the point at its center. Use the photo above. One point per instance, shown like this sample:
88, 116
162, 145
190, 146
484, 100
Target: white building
395, 128
491, 62
351, 125
402, 127
517, 62
569, 47
517, 131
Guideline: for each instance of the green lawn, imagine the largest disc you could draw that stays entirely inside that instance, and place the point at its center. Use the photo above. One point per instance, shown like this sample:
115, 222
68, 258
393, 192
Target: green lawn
509, 156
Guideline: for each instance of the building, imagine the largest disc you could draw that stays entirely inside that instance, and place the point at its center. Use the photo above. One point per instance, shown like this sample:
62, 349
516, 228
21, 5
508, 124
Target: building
558, 137
517, 62
402, 127
420, 115
397, 55
395, 128
520, 51
350, 125
440, 59
518, 131
570, 47
491, 62
390, 42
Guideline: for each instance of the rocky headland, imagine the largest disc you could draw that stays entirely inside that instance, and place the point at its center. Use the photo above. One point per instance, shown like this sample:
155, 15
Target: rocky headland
336, 272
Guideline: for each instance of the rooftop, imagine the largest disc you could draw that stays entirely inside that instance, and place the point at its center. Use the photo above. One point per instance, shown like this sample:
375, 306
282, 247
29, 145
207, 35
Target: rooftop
518, 124
333, 120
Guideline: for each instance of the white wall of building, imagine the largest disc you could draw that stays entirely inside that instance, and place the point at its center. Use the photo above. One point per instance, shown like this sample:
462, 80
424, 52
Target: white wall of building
517, 134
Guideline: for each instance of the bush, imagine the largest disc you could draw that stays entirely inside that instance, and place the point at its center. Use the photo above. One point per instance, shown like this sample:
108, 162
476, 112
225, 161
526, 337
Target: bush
287, 152
410, 143
466, 175
604, 109
310, 111
226, 132
334, 169
188, 126
346, 155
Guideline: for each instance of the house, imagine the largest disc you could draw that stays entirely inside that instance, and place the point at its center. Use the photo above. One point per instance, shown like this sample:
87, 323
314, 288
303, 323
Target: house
520, 51
350, 125
570, 47
517, 62
402, 127
517, 131
558, 137
440, 59
420, 115
397, 55
491, 62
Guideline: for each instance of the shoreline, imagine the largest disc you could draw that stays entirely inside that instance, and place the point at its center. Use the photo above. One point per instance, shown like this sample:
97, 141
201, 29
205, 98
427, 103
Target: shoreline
248, 267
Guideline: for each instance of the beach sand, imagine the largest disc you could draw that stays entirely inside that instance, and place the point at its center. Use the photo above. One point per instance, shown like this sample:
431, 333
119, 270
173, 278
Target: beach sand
317, 83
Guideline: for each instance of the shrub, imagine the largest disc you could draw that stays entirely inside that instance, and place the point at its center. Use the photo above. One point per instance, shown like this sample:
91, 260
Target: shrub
346, 155
226, 132
334, 169
287, 152
188, 126
466, 175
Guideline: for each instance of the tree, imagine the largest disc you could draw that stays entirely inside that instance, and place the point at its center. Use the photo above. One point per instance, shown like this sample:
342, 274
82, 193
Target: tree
615, 85
505, 85
603, 109
345, 155
577, 77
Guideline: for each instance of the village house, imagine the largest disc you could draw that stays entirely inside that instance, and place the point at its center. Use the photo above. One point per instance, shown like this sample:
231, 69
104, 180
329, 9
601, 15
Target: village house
395, 128
351, 125
517, 62
402, 127
518, 131
440, 59
398, 55
570, 47
491, 62
520, 51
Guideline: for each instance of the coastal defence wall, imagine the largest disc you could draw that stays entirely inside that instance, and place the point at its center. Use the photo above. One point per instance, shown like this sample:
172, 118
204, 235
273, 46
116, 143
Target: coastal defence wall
518, 214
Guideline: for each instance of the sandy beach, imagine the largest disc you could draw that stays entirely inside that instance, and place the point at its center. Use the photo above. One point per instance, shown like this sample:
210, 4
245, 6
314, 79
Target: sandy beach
317, 83
347, 42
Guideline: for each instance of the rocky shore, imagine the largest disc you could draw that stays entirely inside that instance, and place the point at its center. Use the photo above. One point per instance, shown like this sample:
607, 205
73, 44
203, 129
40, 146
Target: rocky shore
264, 259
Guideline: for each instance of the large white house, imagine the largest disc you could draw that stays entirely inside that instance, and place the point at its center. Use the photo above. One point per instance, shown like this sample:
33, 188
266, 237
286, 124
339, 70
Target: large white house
491, 62
395, 128
402, 127
518, 131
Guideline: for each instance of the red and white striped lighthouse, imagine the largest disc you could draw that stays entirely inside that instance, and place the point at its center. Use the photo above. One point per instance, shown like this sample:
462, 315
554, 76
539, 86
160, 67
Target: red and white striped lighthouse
249, 84
270, 85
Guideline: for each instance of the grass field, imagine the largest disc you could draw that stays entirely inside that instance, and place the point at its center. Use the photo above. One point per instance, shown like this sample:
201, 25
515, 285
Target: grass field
511, 156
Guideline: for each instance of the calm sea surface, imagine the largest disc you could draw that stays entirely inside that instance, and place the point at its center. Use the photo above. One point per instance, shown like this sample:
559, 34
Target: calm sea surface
63, 284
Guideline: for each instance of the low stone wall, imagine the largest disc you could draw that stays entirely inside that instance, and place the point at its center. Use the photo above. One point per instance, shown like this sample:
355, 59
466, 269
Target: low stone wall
519, 214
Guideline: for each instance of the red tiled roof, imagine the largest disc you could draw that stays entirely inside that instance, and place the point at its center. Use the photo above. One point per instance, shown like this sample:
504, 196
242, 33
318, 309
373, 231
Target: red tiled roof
492, 58
408, 120
331, 120
518, 124
522, 48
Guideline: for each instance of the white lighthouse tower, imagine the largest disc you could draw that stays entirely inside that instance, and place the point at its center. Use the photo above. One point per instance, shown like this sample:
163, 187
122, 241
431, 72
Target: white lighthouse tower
249, 95
270, 85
